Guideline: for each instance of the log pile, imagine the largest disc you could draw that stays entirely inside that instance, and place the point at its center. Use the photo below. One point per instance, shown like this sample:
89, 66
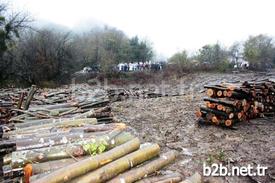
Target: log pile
228, 103
58, 136
119, 94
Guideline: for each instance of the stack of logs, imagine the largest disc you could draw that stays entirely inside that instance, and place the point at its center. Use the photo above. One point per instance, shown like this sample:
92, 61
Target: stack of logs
35, 123
229, 103
75, 141
119, 94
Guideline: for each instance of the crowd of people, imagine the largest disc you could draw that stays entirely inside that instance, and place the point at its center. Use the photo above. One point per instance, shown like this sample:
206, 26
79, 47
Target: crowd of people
139, 66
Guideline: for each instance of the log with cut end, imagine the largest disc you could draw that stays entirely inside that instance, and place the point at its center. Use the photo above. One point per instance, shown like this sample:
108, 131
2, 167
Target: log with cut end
201, 113
220, 93
215, 120
210, 92
223, 102
95, 145
242, 102
86, 165
215, 91
215, 87
215, 112
112, 169
147, 169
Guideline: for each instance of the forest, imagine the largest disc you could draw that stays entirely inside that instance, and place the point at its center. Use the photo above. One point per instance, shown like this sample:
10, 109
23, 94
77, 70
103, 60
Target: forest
33, 55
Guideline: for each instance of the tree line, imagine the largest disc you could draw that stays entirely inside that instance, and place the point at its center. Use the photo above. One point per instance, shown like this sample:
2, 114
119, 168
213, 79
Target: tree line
31, 55
34, 55
258, 51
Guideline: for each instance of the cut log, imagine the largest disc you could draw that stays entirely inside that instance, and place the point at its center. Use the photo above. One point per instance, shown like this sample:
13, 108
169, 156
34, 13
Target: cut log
93, 112
112, 169
147, 169
49, 133
58, 124
82, 167
54, 140
223, 102
210, 92
213, 111
21, 99
96, 145
50, 166
170, 178
29, 97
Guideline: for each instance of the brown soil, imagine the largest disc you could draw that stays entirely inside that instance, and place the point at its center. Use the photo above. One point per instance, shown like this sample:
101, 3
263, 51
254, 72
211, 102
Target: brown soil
171, 122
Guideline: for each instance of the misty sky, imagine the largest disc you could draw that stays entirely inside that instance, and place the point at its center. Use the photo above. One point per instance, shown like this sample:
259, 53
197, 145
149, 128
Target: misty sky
171, 25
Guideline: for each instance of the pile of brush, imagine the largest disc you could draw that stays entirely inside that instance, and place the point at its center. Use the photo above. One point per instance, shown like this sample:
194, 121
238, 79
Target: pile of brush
229, 103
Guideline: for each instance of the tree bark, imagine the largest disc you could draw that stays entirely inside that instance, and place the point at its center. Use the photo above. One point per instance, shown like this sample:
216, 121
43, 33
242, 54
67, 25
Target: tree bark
84, 166
50, 166
147, 169
29, 97
20, 158
112, 169
171, 178
59, 124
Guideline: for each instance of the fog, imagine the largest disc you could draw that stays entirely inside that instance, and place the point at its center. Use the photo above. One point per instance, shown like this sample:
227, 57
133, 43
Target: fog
171, 25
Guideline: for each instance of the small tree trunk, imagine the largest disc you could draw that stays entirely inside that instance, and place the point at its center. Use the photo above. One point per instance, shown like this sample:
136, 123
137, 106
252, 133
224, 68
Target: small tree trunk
29, 97
50, 166
80, 168
171, 178
151, 167
58, 124
20, 158
114, 168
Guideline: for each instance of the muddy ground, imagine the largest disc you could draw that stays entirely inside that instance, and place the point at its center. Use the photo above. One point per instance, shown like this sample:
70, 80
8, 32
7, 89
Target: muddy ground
171, 122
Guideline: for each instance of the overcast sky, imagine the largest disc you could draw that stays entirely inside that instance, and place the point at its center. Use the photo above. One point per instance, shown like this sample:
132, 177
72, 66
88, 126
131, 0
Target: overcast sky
171, 25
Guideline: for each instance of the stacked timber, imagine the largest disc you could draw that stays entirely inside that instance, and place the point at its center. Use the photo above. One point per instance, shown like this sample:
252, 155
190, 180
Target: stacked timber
65, 136
119, 94
106, 153
228, 103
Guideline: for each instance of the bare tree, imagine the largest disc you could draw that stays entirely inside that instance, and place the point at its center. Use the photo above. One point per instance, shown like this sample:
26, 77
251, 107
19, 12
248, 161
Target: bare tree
10, 26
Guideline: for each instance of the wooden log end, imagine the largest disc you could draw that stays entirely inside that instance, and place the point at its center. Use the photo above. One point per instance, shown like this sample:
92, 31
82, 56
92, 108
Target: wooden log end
229, 93
198, 114
210, 92
215, 120
219, 93
231, 115
220, 107
225, 93
27, 173
228, 123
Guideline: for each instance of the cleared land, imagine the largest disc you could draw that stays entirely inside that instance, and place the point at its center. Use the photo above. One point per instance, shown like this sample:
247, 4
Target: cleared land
171, 122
